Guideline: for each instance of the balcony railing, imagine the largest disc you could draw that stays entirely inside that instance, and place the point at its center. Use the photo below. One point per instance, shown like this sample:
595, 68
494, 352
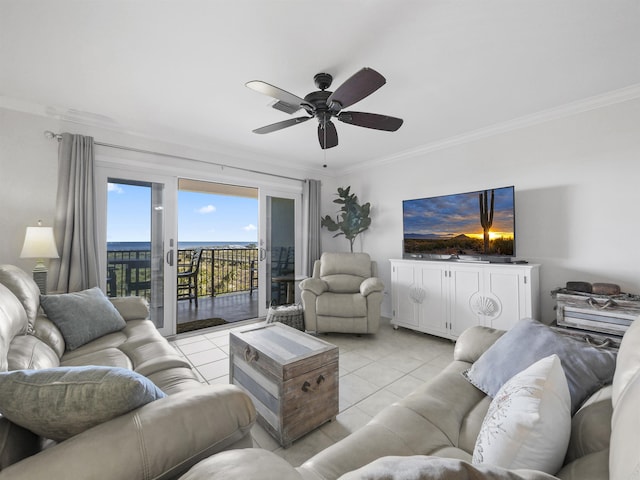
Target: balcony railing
223, 270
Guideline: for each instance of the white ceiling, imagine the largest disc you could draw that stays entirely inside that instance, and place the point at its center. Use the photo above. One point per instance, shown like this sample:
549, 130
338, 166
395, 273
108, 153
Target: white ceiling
176, 69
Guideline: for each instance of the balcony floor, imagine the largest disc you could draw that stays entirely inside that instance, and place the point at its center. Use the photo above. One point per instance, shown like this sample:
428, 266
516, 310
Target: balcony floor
232, 307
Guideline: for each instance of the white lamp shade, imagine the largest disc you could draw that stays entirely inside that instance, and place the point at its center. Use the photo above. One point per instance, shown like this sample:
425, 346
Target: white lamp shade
39, 243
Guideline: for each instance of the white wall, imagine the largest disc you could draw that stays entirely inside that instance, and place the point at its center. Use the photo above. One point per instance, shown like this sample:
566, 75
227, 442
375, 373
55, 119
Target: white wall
28, 175
577, 182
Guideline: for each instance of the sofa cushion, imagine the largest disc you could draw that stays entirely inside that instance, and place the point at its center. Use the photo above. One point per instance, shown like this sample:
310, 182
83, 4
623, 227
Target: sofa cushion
23, 287
58, 403
82, 316
591, 426
422, 467
139, 347
247, 463
594, 466
587, 368
342, 283
624, 456
13, 322
528, 423
341, 305
358, 264
45, 330
29, 352
131, 308
628, 363
624, 459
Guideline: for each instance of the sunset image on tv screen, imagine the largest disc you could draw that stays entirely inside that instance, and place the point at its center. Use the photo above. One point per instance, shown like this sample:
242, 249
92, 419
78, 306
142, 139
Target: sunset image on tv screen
474, 223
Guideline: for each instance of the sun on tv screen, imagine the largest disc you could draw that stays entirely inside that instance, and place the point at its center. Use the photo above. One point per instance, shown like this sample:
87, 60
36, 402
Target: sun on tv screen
480, 223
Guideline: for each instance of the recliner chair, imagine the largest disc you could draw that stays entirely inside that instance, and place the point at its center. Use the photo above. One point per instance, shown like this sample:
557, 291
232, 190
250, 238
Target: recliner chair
344, 294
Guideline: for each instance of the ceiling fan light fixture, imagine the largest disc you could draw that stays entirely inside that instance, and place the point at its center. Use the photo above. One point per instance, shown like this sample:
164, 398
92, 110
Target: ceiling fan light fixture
324, 105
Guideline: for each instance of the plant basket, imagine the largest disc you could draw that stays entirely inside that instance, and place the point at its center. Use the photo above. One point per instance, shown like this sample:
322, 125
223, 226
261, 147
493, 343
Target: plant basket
291, 315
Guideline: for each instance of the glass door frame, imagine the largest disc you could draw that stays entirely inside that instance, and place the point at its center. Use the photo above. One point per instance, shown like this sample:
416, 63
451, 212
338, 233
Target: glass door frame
264, 242
103, 173
159, 169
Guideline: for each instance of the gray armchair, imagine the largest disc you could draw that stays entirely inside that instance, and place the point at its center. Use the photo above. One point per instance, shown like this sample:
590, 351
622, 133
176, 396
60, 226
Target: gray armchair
343, 295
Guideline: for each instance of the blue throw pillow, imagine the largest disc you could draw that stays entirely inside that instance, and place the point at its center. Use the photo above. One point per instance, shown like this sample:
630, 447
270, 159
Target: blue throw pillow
60, 402
586, 367
82, 316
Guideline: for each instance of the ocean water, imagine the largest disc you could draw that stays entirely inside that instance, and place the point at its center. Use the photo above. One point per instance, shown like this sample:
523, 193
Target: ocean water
120, 246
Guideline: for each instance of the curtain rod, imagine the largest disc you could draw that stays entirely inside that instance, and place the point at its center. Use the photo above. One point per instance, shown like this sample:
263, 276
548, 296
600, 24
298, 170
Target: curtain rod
51, 135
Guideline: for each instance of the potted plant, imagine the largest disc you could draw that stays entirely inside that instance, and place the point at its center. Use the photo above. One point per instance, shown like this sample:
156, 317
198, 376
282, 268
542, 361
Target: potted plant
352, 219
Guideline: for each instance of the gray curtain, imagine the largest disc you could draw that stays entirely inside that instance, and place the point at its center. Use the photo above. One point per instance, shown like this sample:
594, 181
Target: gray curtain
74, 226
312, 209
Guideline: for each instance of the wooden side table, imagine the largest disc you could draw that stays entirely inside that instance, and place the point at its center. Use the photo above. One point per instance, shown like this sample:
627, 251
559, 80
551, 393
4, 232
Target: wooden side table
292, 378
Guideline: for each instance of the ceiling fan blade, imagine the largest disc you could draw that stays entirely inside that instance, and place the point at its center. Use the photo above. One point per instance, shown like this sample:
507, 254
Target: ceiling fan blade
371, 120
280, 125
355, 88
277, 93
327, 135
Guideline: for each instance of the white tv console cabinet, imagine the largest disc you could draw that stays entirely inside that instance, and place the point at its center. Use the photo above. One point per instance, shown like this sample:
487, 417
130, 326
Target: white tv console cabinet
444, 298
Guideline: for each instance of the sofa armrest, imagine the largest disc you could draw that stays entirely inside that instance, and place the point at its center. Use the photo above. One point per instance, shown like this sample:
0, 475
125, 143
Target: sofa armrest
314, 285
131, 308
370, 285
162, 439
474, 341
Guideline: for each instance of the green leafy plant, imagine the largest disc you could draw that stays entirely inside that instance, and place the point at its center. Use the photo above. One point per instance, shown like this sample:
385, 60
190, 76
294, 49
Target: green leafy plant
352, 219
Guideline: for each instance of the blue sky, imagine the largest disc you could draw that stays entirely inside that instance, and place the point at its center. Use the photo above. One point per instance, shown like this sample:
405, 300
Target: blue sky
201, 216
451, 215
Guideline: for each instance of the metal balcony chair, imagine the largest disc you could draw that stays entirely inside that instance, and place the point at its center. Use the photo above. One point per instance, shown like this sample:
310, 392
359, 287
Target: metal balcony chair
112, 281
253, 276
188, 279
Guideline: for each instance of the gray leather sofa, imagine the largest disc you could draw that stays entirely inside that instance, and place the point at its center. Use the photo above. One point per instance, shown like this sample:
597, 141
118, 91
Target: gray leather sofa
343, 295
159, 440
431, 433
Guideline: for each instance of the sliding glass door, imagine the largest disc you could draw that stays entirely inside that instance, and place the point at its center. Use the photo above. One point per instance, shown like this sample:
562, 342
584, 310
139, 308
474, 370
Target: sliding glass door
139, 223
219, 223
139, 236
279, 248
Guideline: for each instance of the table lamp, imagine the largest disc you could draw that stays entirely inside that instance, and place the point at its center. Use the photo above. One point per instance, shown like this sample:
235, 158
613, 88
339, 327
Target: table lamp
39, 244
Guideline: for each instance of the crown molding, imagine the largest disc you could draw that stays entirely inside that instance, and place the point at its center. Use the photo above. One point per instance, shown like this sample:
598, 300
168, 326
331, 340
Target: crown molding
613, 97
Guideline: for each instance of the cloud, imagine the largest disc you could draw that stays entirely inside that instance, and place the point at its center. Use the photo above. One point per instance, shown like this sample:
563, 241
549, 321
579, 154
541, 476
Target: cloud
250, 227
206, 209
113, 187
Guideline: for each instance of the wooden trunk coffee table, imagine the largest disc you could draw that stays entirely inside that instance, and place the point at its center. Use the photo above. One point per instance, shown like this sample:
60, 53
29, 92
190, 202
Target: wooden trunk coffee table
292, 378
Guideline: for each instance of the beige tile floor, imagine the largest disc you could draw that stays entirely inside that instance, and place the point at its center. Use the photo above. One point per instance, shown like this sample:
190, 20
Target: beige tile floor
375, 371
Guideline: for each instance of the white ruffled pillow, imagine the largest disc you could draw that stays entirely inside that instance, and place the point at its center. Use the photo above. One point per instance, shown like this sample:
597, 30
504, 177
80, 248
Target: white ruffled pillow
529, 420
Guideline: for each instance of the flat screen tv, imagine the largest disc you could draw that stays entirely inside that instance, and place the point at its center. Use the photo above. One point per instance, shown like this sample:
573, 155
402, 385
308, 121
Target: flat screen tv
480, 225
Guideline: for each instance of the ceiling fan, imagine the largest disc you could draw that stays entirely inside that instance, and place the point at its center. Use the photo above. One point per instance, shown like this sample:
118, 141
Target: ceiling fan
325, 105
